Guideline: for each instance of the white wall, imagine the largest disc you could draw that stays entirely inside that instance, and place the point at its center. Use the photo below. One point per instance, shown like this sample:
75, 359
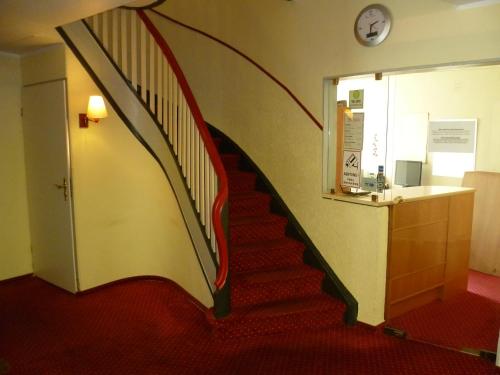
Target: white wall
302, 42
467, 93
127, 221
15, 253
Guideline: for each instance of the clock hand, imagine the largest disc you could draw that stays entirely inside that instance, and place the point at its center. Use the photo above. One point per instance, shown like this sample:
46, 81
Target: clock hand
373, 24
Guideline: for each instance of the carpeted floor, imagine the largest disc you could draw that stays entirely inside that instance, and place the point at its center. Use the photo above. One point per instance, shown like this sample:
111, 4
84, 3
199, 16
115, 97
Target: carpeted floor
484, 285
153, 327
470, 320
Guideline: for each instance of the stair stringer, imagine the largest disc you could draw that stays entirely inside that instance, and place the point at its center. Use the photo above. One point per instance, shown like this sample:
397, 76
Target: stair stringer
142, 125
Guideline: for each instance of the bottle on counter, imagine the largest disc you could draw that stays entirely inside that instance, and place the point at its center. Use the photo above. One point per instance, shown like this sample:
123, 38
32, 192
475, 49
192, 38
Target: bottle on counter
380, 179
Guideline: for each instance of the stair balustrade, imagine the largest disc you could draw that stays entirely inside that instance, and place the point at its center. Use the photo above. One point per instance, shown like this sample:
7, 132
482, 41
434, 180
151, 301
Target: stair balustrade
145, 60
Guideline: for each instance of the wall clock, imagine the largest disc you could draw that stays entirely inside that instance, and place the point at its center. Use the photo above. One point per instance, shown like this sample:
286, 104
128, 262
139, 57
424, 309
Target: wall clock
372, 25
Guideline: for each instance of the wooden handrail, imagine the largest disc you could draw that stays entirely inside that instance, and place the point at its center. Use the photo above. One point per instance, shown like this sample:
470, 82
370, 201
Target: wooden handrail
222, 196
249, 59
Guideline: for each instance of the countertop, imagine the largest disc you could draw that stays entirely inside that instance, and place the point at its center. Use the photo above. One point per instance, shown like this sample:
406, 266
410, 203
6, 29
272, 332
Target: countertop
398, 195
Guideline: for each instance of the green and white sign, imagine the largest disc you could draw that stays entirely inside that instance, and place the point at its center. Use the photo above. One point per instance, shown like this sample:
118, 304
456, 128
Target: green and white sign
356, 99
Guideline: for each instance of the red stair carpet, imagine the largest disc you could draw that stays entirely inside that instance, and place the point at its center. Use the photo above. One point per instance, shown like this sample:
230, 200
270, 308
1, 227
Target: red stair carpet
148, 327
469, 320
272, 290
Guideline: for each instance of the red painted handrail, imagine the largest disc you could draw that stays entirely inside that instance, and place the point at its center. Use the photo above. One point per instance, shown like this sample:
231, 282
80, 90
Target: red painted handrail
249, 59
222, 196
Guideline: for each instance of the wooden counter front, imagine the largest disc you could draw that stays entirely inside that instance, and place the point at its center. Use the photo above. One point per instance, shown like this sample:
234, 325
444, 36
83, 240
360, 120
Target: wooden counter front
428, 254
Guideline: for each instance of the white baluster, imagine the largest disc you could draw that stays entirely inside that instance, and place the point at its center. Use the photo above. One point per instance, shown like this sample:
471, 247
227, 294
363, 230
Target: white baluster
188, 149
99, 30
202, 181
192, 153
168, 97
180, 135
186, 137
105, 31
160, 89
143, 76
125, 42
152, 73
115, 33
175, 110
206, 167
95, 24
170, 104
134, 50
212, 198
197, 171
183, 134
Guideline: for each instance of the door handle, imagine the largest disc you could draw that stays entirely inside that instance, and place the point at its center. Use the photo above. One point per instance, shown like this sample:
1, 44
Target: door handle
64, 186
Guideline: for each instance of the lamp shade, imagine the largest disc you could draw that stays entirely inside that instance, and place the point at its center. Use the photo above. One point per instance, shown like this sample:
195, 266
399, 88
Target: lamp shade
96, 108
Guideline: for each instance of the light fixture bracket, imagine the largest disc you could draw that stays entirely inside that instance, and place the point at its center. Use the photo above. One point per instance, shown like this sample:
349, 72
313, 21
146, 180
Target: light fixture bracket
83, 120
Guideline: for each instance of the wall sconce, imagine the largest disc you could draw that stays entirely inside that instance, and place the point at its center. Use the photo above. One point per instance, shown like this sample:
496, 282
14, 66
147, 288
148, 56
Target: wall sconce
95, 111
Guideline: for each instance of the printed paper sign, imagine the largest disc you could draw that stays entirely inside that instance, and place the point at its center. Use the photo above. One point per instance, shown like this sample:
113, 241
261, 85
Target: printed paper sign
351, 168
353, 131
356, 98
452, 136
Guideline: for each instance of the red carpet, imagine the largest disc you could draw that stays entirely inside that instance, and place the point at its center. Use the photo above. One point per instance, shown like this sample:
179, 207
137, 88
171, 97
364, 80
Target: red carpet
470, 320
272, 290
152, 327
484, 285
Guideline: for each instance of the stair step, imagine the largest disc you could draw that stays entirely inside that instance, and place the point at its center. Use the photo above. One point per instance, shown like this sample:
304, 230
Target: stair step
230, 161
272, 290
261, 256
276, 285
241, 181
318, 311
248, 203
249, 229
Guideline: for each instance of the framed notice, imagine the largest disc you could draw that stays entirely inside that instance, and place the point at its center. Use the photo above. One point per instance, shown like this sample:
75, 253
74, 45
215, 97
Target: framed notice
353, 131
452, 136
351, 168
356, 98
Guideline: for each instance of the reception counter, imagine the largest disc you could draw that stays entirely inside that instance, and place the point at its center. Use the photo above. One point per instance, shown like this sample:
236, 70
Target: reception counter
429, 233
399, 195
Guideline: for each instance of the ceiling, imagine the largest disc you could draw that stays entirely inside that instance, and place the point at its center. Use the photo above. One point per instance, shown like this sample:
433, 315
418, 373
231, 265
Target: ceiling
26, 25
465, 4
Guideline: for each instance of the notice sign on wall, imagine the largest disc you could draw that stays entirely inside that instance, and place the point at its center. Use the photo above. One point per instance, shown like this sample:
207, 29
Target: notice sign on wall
356, 98
353, 131
351, 168
452, 136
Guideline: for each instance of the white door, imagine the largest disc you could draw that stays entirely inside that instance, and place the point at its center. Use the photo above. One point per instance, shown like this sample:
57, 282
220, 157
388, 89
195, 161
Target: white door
46, 143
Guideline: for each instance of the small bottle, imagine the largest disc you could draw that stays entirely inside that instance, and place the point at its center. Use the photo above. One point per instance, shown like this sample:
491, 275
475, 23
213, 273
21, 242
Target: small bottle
380, 179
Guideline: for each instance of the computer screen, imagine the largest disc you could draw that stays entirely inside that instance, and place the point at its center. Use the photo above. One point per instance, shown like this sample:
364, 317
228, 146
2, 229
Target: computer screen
408, 173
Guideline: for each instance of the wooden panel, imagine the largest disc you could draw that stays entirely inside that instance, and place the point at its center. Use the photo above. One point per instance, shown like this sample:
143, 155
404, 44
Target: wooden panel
412, 284
459, 234
485, 239
410, 304
417, 248
420, 212
428, 251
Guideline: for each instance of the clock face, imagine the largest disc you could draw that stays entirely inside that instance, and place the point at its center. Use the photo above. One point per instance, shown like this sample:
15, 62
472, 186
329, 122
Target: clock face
372, 25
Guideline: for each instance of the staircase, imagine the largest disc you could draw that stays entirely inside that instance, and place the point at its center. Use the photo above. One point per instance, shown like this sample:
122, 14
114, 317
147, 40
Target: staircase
272, 289
272, 279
